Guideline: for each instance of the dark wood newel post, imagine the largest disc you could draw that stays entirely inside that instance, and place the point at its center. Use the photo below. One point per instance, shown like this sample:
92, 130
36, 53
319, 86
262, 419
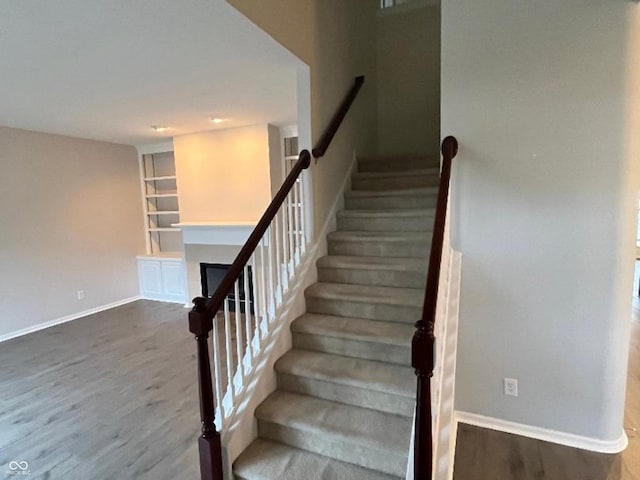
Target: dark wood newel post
200, 324
423, 343
422, 360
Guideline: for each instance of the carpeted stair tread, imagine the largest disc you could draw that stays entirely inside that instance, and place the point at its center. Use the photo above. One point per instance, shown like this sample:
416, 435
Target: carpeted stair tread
391, 220
382, 213
366, 437
411, 297
435, 159
355, 372
379, 243
404, 264
359, 236
266, 460
397, 162
399, 173
361, 329
400, 192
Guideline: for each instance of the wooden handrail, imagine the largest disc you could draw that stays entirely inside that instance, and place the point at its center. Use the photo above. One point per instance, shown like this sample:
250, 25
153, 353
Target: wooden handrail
423, 343
325, 140
213, 304
204, 310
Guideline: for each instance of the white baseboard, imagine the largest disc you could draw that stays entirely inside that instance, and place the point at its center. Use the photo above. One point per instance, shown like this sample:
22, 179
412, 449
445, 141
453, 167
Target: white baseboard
553, 436
452, 451
68, 318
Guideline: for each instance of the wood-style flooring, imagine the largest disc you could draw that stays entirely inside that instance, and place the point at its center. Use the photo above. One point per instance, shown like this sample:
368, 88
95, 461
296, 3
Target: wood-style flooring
110, 396
483, 454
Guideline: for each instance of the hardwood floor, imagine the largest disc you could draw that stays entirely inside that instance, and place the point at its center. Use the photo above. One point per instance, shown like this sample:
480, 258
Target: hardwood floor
110, 396
483, 454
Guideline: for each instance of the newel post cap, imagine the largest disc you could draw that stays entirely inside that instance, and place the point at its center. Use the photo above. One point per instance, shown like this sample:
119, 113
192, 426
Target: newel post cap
450, 146
200, 321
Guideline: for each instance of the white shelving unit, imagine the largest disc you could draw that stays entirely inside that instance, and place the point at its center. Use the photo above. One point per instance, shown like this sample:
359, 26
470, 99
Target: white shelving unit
161, 270
160, 195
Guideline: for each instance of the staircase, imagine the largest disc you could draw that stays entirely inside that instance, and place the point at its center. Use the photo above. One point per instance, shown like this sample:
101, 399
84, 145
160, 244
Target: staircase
344, 405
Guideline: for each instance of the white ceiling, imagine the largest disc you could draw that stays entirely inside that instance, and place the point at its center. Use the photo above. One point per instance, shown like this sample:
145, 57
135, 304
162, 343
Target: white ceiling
109, 69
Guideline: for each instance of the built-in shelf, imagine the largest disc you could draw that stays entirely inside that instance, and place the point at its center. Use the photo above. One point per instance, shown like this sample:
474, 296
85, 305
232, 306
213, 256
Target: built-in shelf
162, 195
164, 229
162, 270
215, 233
157, 179
162, 256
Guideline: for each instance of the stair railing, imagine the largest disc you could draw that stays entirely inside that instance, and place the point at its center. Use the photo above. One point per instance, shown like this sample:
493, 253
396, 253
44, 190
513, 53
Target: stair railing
423, 343
240, 314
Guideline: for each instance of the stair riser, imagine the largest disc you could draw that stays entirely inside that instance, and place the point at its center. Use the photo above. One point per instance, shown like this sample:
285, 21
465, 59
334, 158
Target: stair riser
380, 311
335, 447
396, 165
386, 224
381, 202
353, 348
412, 248
394, 183
349, 395
380, 278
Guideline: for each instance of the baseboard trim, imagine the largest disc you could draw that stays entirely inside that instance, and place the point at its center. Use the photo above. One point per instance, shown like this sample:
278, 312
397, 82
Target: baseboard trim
68, 318
547, 435
452, 451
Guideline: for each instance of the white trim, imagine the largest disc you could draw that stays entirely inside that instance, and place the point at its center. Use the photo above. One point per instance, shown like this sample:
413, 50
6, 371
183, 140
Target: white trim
215, 233
145, 206
289, 131
68, 318
160, 147
452, 450
407, 7
547, 435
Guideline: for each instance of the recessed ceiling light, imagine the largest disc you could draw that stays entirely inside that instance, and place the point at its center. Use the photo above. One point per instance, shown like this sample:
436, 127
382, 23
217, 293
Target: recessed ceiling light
217, 120
159, 128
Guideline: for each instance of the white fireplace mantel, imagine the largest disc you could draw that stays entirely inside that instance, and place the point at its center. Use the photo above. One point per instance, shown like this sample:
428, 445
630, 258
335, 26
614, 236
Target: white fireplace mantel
215, 233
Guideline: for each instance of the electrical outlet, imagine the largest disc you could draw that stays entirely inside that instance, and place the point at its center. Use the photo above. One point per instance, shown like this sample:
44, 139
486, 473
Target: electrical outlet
511, 387
80, 294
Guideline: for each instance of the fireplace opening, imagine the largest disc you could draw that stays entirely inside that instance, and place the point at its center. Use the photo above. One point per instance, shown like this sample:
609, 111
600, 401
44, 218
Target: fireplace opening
211, 275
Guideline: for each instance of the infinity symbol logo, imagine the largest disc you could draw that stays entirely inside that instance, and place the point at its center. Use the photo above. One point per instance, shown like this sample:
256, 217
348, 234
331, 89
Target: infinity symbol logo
13, 466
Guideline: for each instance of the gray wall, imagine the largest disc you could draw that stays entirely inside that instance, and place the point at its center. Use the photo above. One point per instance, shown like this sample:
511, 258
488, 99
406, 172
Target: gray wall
71, 219
542, 205
408, 68
336, 39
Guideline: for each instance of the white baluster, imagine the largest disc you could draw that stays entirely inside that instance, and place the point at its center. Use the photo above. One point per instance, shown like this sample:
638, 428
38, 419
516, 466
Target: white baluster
263, 290
303, 240
248, 304
228, 347
296, 220
271, 291
238, 321
290, 227
285, 248
276, 237
217, 370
